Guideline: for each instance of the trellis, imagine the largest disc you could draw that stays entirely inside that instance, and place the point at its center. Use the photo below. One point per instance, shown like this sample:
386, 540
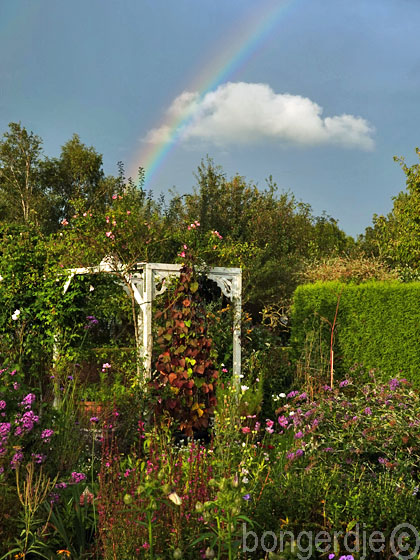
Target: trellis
148, 280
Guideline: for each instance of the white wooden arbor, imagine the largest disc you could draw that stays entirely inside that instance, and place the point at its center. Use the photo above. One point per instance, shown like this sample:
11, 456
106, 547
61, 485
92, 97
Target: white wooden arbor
148, 280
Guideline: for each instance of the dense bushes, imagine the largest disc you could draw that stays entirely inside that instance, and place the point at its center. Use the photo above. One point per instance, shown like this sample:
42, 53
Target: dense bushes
378, 325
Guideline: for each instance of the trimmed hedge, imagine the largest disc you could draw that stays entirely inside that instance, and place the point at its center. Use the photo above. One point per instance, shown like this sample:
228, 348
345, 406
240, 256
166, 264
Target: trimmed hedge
378, 324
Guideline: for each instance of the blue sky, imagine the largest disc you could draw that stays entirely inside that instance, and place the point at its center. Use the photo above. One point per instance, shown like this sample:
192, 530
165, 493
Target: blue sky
111, 70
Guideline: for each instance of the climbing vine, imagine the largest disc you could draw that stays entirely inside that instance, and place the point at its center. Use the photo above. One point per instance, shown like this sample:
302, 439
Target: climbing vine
185, 371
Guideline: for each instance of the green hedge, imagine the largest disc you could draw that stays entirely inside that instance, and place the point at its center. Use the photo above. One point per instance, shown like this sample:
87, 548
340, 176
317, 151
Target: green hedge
378, 324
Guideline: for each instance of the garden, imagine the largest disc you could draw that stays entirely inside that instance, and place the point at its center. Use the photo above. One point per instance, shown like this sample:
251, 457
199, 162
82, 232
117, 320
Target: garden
309, 450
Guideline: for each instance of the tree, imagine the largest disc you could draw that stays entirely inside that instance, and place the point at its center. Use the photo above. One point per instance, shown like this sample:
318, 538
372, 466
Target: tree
76, 180
396, 237
269, 234
21, 191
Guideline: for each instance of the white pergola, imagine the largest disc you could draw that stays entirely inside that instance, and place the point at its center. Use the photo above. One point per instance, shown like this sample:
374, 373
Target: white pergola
148, 280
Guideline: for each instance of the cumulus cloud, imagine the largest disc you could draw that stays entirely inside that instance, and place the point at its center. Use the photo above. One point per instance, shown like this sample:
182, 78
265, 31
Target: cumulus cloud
247, 113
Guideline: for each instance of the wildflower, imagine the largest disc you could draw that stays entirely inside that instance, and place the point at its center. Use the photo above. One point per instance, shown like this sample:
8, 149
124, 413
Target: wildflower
94, 419
246, 497
77, 477
16, 314
28, 400
282, 395
246, 430
298, 435
368, 411
282, 421
17, 458
4, 428
344, 383
292, 394
64, 222
394, 384
64, 552
2, 405
46, 435
244, 388
299, 452
114, 197
173, 496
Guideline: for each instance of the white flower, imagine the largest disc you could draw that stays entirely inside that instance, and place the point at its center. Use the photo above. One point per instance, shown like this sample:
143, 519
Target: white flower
245, 480
16, 314
282, 395
244, 388
1, 278
291, 413
173, 496
91, 288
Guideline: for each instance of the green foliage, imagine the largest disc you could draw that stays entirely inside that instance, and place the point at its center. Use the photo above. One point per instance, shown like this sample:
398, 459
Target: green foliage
20, 187
353, 457
266, 233
396, 237
377, 324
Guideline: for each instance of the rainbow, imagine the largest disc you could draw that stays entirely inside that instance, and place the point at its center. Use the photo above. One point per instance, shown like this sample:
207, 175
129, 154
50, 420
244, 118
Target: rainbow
247, 39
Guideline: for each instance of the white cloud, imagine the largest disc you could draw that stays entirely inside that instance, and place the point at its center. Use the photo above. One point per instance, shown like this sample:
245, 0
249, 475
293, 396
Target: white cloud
246, 113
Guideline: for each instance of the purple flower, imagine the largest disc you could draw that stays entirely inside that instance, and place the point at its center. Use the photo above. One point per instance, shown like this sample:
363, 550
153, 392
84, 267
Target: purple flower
292, 394
94, 419
77, 477
303, 396
2, 405
46, 435
368, 411
299, 452
17, 458
290, 456
344, 383
331, 556
91, 321
394, 384
282, 420
28, 400
4, 428
298, 435
246, 497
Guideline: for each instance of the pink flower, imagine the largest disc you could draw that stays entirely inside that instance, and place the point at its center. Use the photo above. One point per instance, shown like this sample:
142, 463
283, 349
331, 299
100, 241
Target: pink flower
114, 197
64, 222
182, 254
109, 234
128, 212
246, 430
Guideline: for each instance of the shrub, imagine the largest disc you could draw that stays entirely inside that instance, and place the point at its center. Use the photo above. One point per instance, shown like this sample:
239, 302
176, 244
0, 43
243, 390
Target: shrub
378, 324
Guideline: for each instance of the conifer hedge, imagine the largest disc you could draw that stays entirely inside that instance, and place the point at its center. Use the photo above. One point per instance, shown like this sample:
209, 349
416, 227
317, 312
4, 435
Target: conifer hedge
378, 325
